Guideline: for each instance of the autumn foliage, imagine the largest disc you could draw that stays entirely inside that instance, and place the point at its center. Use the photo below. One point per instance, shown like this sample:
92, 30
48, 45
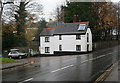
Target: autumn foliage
107, 20
101, 15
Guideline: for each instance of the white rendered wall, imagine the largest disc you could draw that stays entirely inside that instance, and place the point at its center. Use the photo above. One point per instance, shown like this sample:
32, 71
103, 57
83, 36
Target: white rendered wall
90, 39
44, 44
68, 43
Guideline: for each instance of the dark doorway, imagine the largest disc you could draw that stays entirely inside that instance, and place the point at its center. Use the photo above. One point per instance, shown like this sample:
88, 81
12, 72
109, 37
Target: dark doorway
87, 47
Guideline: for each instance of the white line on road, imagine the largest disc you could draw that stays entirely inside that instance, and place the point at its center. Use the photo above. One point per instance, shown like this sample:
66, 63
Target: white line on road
61, 68
93, 58
81, 62
109, 53
28, 79
55, 70
84, 61
101, 56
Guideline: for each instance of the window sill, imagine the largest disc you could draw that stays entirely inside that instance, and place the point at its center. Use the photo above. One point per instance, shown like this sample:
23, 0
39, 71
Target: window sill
47, 52
46, 41
78, 51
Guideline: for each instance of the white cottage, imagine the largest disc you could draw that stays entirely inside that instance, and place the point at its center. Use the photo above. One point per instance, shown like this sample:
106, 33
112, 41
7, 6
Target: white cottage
66, 38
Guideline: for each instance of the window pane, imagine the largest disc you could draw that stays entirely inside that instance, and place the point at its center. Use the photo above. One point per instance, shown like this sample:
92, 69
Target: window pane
87, 37
46, 39
47, 49
78, 47
82, 27
60, 38
60, 47
78, 36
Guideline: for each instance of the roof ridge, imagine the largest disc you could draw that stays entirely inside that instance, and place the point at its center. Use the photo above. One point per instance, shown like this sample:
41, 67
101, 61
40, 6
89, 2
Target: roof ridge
49, 28
74, 23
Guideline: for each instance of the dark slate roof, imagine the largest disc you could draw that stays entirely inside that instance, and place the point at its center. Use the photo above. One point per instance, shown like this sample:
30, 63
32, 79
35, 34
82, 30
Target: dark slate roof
70, 28
52, 24
65, 28
47, 32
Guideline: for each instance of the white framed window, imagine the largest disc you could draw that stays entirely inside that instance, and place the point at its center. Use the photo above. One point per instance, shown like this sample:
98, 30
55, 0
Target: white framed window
78, 37
60, 47
78, 47
47, 49
60, 37
87, 37
47, 39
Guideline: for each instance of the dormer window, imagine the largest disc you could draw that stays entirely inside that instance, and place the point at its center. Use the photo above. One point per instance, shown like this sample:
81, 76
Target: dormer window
46, 39
82, 27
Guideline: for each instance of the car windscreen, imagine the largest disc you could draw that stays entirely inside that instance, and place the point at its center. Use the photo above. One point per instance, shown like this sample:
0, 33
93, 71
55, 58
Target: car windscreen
14, 52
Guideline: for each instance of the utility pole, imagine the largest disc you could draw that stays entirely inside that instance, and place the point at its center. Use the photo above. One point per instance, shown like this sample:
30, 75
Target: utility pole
118, 28
118, 21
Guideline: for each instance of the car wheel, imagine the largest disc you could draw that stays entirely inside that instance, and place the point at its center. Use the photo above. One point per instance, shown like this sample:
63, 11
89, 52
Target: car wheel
10, 57
20, 57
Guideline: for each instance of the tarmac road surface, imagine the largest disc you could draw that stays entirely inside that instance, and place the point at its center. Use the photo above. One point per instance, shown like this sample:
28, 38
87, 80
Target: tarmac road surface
84, 67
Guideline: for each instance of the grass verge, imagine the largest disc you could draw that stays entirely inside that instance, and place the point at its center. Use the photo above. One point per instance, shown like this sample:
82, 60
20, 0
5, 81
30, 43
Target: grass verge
6, 60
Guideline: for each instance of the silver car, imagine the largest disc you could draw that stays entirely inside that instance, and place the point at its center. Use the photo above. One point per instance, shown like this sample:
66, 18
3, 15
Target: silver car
16, 53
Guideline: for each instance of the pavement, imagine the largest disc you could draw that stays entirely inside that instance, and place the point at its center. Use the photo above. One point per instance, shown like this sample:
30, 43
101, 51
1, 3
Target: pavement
114, 74
20, 63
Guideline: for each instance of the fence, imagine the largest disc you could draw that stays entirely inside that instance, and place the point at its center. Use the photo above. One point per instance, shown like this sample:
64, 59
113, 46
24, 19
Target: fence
104, 44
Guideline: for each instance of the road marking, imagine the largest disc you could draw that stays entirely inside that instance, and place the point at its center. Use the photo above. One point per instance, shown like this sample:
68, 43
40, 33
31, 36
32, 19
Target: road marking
109, 53
91, 59
98, 57
101, 56
61, 68
28, 79
106, 73
84, 61
95, 58
55, 70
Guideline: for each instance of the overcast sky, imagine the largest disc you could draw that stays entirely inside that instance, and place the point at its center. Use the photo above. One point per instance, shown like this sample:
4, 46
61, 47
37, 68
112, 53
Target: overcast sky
50, 5
115, 0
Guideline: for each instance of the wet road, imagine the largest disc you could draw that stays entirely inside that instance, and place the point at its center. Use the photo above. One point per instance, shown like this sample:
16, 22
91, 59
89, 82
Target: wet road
84, 67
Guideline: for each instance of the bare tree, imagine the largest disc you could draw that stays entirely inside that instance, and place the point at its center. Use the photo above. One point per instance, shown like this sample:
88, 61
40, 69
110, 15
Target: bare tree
57, 14
8, 9
2, 4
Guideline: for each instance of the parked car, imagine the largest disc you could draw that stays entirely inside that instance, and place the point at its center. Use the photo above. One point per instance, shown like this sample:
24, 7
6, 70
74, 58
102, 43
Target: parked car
16, 53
